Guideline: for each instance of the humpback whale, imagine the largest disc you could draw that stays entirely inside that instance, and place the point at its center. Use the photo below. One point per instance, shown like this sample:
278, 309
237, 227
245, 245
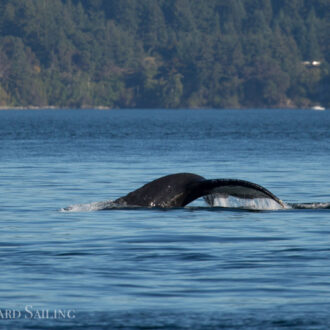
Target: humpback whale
180, 189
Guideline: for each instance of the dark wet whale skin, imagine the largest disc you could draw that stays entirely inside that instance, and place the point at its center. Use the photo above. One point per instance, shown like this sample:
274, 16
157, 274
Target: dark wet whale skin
178, 190
168, 191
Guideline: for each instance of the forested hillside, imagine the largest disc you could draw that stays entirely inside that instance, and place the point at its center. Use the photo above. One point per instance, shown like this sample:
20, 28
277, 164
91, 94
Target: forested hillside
165, 53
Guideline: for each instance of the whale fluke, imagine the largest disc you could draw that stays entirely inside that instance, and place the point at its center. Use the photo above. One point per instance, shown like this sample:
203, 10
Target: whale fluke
178, 190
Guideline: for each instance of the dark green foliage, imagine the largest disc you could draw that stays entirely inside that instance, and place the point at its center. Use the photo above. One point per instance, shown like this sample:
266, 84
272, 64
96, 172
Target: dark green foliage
164, 53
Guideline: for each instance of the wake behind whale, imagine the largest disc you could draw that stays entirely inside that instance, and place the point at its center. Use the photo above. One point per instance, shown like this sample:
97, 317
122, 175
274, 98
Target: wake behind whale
179, 190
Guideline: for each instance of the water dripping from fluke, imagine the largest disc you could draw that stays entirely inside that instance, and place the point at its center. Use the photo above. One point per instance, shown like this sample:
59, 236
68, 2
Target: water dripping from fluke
180, 189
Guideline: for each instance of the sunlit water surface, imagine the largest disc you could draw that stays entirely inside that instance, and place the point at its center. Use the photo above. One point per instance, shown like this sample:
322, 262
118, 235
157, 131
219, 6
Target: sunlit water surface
194, 267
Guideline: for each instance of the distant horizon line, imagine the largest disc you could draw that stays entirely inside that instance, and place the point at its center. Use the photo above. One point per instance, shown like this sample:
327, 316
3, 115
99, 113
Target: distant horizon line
50, 107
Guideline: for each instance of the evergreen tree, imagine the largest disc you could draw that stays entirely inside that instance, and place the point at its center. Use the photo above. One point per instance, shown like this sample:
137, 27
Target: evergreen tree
164, 53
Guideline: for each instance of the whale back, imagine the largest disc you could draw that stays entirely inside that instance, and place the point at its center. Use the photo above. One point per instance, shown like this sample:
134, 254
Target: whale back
168, 191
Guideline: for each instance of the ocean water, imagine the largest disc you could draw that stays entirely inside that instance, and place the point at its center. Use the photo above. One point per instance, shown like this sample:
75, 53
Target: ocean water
197, 267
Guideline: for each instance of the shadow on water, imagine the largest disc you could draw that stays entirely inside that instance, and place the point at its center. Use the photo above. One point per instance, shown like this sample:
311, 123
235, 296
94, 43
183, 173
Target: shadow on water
142, 319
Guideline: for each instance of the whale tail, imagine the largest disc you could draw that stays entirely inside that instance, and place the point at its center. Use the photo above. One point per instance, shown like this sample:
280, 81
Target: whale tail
178, 190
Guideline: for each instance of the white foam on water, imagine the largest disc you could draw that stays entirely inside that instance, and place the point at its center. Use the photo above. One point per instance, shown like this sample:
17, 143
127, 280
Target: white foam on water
244, 203
260, 204
89, 207
312, 206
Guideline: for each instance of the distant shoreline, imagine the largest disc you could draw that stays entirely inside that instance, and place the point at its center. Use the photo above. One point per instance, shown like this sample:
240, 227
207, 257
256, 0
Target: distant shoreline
8, 108
53, 108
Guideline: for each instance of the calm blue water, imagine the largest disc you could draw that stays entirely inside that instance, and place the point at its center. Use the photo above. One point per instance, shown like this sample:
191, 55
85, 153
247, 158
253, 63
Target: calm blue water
199, 268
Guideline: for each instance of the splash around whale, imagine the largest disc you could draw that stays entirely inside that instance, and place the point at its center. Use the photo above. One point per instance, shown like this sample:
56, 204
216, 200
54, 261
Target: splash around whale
180, 189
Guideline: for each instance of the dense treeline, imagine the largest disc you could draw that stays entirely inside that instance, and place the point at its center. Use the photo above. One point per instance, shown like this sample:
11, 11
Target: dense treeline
164, 53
